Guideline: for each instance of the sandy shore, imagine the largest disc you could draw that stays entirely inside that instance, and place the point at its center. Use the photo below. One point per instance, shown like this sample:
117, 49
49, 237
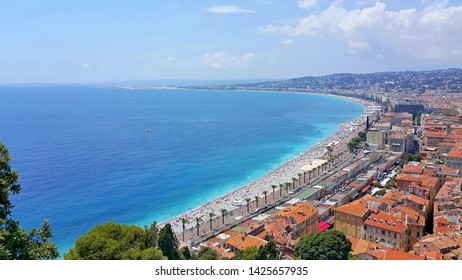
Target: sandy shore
280, 175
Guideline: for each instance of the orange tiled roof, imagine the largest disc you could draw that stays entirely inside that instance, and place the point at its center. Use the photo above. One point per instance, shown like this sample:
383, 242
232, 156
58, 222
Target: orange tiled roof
399, 255
299, 212
440, 241
430, 183
435, 134
385, 221
425, 180
449, 170
417, 199
455, 153
428, 172
356, 208
442, 226
360, 246
412, 214
414, 168
410, 177
243, 241
393, 195
435, 256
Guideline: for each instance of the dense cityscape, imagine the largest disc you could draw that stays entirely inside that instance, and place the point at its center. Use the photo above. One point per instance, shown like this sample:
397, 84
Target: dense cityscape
395, 194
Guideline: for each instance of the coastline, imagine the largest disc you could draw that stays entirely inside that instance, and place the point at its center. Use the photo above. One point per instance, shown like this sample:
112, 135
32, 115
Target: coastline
208, 217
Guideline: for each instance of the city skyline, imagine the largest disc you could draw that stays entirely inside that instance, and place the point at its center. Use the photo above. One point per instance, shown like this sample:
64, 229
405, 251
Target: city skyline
86, 42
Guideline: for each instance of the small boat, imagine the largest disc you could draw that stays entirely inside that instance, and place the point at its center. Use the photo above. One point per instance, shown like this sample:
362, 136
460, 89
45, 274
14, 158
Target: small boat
148, 130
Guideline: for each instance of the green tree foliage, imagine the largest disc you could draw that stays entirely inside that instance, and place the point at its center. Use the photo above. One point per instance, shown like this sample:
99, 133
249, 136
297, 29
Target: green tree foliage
152, 233
206, 253
362, 135
15, 242
356, 142
390, 184
168, 243
146, 254
410, 157
249, 253
185, 254
112, 241
329, 245
268, 252
382, 192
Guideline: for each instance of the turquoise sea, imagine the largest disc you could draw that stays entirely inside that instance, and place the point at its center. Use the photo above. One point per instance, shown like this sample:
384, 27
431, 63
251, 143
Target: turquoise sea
85, 157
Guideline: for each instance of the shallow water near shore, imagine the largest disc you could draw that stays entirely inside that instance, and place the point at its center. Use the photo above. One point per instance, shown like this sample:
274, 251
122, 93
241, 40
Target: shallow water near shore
85, 156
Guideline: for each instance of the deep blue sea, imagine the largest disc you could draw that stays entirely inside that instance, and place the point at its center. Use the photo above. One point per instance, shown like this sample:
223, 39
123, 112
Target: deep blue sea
85, 158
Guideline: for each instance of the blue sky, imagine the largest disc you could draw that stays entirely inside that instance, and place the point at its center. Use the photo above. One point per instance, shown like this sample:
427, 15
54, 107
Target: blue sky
110, 41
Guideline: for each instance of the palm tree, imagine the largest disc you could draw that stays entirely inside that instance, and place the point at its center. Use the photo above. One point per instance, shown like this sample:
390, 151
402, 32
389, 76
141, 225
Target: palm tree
280, 189
211, 214
183, 223
293, 182
299, 178
198, 220
286, 187
309, 176
304, 177
256, 200
265, 193
274, 188
224, 212
248, 204
329, 149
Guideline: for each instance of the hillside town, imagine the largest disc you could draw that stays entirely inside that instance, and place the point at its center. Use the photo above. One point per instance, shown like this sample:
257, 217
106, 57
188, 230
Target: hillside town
395, 193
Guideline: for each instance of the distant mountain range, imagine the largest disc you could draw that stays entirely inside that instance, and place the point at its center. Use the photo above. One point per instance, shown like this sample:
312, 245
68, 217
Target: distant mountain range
449, 80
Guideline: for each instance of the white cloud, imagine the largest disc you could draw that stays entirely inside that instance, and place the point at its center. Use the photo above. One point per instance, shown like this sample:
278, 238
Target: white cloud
430, 33
288, 41
173, 62
221, 60
86, 66
228, 10
358, 46
307, 4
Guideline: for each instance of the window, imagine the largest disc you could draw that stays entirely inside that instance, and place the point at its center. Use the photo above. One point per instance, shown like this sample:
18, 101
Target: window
396, 236
418, 234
